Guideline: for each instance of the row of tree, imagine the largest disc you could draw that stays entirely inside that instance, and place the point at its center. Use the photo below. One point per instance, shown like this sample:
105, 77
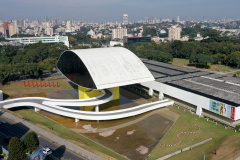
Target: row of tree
17, 149
194, 30
83, 38
30, 61
218, 50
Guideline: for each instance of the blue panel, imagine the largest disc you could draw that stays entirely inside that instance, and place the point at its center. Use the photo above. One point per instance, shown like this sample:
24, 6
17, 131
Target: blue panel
37, 155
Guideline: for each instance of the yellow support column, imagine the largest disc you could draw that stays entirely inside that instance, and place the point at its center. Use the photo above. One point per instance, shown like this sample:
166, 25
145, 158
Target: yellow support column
85, 93
116, 94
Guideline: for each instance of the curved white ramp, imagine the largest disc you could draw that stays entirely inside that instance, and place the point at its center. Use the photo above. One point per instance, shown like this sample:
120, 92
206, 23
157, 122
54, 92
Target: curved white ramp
104, 98
88, 115
52, 105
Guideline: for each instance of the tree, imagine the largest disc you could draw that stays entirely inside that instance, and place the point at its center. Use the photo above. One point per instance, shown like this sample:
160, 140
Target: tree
201, 60
30, 141
176, 47
49, 63
234, 58
16, 150
149, 31
72, 40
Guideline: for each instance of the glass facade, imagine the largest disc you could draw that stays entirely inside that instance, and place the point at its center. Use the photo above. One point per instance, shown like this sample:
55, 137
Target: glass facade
75, 70
140, 39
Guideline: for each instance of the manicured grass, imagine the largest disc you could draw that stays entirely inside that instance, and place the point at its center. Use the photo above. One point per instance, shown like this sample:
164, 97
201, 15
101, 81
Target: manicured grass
66, 133
180, 62
214, 67
186, 123
222, 68
16, 88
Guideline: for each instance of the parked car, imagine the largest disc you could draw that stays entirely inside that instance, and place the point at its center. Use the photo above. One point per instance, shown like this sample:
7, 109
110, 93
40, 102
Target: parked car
47, 151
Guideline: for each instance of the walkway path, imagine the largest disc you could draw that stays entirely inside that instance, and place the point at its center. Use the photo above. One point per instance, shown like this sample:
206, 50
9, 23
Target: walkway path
74, 148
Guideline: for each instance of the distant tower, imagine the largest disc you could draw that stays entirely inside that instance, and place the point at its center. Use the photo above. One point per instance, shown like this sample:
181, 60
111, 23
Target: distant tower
178, 19
6, 29
46, 19
125, 18
68, 25
146, 19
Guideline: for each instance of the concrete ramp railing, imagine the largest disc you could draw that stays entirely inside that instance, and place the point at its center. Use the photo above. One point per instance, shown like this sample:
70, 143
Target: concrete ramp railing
54, 106
104, 98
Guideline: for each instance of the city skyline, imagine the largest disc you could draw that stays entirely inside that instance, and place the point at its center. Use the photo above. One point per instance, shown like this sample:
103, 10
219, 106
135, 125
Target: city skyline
112, 10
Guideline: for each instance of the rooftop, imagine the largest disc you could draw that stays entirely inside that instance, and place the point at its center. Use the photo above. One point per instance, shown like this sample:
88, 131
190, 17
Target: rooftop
212, 85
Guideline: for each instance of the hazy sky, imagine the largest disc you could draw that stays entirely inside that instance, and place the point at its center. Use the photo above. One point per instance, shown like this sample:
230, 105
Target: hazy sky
112, 10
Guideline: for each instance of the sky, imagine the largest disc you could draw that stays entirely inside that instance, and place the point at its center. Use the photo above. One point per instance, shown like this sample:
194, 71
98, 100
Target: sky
112, 10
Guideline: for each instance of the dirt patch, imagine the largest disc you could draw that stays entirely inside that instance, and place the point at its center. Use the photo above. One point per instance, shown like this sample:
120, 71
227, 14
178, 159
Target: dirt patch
130, 132
89, 128
107, 133
142, 150
117, 138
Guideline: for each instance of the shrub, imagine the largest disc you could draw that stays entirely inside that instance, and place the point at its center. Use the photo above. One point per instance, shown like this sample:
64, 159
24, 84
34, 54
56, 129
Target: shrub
16, 149
30, 141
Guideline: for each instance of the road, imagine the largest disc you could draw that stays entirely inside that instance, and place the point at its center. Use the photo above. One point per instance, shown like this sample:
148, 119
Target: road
9, 128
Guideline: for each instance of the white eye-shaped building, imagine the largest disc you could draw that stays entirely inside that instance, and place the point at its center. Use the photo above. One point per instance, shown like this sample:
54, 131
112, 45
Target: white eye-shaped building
102, 68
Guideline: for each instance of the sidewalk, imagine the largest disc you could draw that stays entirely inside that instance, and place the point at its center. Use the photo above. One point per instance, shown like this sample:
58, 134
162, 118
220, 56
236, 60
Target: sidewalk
72, 147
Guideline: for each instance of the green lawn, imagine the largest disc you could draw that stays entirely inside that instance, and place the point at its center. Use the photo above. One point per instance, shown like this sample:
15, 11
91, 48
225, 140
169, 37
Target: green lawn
180, 62
187, 123
222, 68
214, 67
66, 133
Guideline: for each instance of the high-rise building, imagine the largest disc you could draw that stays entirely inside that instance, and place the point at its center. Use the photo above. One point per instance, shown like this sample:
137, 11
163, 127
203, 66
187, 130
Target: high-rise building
68, 25
11, 29
6, 30
77, 27
146, 19
125, 18
46, 19
49, 31
174, 33
119, 32
16, 26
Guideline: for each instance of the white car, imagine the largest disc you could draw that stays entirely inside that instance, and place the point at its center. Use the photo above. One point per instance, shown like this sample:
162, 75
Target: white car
47, 151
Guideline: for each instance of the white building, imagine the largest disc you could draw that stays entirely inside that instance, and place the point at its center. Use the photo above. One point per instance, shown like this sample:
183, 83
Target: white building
198, 38
174, 33
31, 40
68, 25
113, 43
125, 18
205, 92
49, 31
119, 32
163, 31
91, 33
